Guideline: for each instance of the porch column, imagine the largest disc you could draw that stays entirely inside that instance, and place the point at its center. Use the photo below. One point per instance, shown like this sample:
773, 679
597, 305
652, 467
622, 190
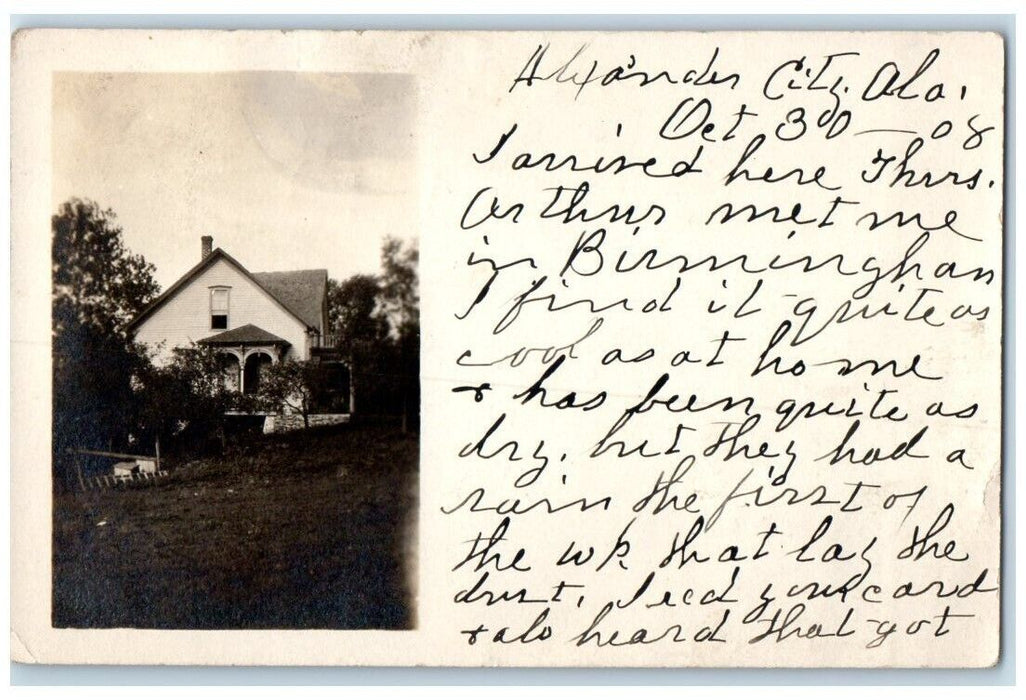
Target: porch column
242, 370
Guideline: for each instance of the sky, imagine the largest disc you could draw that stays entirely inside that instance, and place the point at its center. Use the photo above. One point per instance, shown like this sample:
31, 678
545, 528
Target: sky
285, 170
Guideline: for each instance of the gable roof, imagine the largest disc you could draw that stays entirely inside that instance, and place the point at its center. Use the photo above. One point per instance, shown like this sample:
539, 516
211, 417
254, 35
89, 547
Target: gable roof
245, 335
302, 291
205, 263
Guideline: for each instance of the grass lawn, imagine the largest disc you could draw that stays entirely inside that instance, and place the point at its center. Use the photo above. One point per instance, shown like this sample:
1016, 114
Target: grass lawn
312, 529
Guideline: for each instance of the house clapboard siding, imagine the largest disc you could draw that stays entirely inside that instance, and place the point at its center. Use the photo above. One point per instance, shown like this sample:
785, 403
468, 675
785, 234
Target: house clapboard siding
184, 318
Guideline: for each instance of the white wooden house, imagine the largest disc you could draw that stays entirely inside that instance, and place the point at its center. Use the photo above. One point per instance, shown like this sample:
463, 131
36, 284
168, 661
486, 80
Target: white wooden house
253, 318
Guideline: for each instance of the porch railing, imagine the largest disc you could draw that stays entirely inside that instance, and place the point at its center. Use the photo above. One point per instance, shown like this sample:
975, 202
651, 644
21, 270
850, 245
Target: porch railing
328, 341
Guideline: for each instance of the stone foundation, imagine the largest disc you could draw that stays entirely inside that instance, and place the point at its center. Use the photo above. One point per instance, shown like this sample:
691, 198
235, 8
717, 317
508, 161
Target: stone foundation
285, 422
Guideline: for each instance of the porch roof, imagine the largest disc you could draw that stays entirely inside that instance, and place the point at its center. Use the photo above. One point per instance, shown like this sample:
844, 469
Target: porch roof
245, 335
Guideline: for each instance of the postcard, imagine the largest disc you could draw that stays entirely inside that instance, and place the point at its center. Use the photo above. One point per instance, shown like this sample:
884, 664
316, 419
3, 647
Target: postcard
507, 348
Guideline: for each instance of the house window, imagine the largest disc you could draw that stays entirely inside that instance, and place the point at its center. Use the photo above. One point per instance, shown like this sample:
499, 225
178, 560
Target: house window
219, 308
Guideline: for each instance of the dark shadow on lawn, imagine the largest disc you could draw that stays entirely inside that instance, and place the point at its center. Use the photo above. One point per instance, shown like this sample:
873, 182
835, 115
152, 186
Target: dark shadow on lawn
307, 530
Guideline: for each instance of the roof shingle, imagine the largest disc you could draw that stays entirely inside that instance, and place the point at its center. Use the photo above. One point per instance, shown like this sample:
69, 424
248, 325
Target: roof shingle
245, 335
301, 291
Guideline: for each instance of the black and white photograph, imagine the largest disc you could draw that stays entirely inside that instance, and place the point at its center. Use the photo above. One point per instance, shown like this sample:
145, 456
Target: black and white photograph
235, 350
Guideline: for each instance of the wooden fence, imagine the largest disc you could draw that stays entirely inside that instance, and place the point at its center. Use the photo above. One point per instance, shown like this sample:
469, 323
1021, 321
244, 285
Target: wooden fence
93, 483
106, 481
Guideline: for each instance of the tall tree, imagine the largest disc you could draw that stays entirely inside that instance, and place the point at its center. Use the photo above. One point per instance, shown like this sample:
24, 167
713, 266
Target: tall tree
400, 305
376, 320
400, 297
352, 305
98, 287
97, 281
361, 333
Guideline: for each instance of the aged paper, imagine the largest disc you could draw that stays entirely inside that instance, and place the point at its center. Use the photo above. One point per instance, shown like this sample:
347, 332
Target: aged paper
709, 345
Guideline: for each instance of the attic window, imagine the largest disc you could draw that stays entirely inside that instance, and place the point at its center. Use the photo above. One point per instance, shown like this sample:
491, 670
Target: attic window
219, 308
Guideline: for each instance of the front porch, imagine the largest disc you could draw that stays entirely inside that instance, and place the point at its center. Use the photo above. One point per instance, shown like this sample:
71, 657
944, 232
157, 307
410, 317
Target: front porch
247, 352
